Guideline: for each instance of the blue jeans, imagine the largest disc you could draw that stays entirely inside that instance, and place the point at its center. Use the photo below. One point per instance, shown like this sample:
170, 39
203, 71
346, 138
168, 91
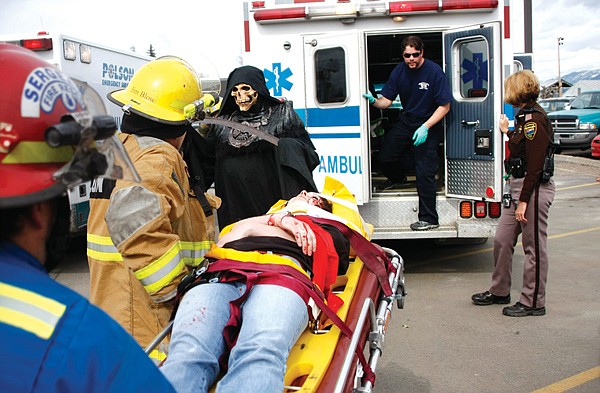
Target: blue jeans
273, 319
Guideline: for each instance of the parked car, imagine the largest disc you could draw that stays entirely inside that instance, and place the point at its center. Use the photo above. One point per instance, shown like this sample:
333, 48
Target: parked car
575, 128
555, 103
596, 146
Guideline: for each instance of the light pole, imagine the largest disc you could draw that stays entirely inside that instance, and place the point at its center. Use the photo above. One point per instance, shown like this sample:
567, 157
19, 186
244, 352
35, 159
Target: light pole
560, 42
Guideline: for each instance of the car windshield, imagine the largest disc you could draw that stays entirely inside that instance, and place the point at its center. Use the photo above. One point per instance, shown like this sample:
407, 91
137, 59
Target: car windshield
586, 101
553, 105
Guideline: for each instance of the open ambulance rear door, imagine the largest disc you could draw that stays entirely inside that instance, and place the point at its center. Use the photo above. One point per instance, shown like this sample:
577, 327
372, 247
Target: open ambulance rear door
474, 145
333, 78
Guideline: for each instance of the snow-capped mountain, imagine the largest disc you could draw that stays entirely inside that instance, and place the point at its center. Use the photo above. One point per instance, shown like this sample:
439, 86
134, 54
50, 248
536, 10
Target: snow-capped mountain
574, 77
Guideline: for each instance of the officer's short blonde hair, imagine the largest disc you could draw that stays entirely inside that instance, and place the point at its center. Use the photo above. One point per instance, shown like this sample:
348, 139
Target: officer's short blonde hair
522, 87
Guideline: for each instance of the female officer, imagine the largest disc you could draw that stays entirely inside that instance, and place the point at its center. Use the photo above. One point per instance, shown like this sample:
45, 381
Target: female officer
532, 191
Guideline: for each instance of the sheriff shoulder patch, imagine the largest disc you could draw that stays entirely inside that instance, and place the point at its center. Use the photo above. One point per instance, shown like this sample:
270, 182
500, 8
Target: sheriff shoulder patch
530, 129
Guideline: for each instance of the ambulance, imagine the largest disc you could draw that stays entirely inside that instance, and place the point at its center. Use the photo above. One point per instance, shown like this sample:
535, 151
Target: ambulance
97, 70
324, 54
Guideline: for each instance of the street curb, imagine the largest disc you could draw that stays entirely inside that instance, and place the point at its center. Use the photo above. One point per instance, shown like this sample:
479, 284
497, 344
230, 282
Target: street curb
590, 162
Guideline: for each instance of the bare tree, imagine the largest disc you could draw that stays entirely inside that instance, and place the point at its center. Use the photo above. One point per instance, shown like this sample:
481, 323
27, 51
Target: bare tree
151, 51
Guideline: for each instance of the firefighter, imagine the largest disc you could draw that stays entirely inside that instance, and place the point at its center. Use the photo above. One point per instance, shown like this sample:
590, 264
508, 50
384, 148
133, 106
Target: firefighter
143, 237
53, 339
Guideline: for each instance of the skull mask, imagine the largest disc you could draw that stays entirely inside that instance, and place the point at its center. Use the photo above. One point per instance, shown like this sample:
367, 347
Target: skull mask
245, 96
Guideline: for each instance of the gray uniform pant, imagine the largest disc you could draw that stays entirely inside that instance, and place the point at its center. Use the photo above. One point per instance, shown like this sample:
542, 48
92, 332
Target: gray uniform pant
535, 245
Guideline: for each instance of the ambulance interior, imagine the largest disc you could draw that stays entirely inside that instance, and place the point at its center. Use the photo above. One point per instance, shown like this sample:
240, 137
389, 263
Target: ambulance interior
384, 52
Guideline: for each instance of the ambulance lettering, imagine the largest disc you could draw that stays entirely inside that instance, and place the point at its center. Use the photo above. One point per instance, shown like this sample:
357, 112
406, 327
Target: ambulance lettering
340, 164
102, 188
114, 75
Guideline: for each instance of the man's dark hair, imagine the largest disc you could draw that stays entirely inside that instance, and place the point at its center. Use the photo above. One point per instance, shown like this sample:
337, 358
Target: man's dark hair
326, 205
12, 221
413, 41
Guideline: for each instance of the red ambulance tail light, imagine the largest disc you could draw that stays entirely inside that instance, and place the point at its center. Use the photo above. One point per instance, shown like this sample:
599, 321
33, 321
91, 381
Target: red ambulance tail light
258, 4
468, 4
480, 209
495, 209
37, 44
280, 14
466, 209
402, 7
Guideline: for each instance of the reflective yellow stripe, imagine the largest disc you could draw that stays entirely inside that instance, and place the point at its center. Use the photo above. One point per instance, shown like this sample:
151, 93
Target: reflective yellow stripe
253, 256
27, 152
161, 272
101, 248
193, 252
158, 355
29, 311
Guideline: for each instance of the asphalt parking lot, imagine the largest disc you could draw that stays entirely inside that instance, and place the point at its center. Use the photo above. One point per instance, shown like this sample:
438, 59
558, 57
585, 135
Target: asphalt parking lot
440, 342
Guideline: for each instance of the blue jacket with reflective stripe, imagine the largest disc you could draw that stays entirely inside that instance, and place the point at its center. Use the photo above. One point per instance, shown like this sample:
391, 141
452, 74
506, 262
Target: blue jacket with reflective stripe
53, 339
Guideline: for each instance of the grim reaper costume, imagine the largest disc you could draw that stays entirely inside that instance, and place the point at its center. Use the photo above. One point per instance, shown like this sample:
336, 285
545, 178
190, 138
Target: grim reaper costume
252, 174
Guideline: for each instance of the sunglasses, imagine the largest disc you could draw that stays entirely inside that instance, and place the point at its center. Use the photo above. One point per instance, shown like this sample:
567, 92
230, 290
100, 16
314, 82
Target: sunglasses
408, 55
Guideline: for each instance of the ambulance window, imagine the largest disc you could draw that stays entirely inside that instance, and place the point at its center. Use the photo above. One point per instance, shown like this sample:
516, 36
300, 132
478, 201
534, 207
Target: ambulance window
474, 68
85, 54
330, 75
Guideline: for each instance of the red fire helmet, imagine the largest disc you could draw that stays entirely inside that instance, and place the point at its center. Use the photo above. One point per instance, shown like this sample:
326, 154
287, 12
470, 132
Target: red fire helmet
35, 95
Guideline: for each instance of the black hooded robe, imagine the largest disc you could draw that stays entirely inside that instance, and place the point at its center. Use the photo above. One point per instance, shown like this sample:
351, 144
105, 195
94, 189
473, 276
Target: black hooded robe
252, 174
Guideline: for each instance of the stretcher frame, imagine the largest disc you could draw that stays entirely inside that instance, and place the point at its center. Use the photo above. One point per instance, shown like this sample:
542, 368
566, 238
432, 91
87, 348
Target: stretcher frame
368, 317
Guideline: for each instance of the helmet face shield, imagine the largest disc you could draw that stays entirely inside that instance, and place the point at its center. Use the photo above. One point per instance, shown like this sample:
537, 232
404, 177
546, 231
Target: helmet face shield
97, 150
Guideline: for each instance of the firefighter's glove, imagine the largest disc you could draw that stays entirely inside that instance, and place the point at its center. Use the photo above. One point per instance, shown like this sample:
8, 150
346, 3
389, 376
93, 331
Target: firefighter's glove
420, 135
369, 97
193, 111
196, 110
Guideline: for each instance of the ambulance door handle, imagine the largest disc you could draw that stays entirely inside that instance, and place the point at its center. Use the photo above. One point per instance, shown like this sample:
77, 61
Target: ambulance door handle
470, 123
312, 42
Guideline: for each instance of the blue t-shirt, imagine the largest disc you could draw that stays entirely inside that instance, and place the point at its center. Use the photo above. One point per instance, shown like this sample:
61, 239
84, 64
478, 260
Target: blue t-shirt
421, 90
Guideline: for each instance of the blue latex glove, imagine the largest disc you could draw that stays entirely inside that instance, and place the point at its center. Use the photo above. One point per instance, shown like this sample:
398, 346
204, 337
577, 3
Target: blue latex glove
420, 135
369, 97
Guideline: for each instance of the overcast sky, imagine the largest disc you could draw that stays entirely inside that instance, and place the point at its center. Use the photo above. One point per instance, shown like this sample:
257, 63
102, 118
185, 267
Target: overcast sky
189, 28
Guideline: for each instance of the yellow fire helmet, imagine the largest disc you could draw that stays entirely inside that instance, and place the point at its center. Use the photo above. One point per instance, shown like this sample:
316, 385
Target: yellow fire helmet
344, 207
159, 90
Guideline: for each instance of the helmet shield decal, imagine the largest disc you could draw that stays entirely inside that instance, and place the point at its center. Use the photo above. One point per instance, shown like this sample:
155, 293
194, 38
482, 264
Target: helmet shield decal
44, 89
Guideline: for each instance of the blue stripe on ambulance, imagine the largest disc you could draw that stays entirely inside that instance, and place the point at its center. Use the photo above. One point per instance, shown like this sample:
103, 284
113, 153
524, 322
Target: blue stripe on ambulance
315, 118
348, 116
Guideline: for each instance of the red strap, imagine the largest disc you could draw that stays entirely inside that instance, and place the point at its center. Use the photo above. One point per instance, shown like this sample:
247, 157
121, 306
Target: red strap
369, 375
285, 276
232, 327
325, 262
373, 256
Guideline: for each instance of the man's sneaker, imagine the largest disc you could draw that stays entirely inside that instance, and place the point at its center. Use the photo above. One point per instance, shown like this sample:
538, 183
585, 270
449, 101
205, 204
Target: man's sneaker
392, 185
486, 298
422, 226
520, 310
